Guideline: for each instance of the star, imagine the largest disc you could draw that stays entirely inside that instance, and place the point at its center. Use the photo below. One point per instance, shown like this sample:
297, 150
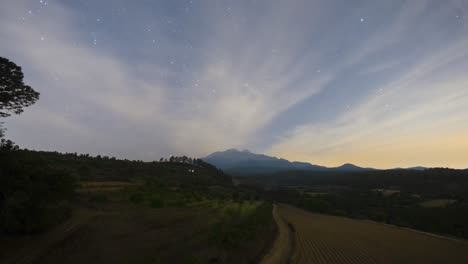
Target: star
362, 19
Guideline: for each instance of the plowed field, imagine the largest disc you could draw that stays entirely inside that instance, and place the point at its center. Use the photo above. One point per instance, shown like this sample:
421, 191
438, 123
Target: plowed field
329, 239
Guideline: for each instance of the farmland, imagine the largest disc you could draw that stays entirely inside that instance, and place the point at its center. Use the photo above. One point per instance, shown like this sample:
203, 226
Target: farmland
321, 238
122, 222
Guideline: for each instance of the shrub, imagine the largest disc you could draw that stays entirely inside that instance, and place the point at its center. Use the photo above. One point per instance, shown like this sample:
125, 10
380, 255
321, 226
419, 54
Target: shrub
33, 195
98, 198
157, 202
239, 225
137, 198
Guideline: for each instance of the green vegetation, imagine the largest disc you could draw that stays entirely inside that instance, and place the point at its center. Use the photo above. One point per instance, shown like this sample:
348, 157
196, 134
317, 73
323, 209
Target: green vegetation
399, 209
33, 195
172, 206
240, 223
14, 94
433, 200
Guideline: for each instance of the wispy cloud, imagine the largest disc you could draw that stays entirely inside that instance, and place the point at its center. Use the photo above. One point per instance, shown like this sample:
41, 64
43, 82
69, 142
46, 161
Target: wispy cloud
416, 118
142, 81
228, 98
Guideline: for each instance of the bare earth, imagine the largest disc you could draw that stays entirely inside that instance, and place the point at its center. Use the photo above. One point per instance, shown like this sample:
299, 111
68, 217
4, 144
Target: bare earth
282, 247
329, 239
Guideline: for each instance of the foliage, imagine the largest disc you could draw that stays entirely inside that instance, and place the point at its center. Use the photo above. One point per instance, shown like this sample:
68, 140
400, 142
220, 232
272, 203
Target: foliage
157, 202
89, 168
137, 198
99, 198
33, 195
14, 94
240, 223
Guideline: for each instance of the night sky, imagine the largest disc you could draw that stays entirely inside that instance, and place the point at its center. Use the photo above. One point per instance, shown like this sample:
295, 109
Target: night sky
375, 83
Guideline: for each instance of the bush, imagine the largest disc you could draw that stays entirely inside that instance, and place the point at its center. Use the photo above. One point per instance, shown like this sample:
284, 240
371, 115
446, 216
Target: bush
239, 225
33, 196
317, 205
137, 198
157, 202
98, 198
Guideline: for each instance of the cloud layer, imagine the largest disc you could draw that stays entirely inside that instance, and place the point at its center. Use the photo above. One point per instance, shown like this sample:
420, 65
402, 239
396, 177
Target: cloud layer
378, 84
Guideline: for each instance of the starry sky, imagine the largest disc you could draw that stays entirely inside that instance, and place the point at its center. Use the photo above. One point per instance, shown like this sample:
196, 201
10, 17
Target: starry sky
375, 83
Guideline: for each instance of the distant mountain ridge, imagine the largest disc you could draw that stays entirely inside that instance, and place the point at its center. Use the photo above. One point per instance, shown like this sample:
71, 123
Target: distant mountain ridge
245, 162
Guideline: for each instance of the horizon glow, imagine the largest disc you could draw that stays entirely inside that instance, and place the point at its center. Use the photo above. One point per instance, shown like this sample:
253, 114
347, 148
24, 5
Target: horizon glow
375, 83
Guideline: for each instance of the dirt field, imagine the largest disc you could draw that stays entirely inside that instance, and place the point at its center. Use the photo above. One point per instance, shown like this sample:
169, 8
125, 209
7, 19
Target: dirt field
113, 229
329, 239
118, 233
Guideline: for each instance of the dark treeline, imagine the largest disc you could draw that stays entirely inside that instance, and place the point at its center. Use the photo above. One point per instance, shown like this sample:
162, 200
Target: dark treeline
185, 159
392, 196
434, 182
86, 167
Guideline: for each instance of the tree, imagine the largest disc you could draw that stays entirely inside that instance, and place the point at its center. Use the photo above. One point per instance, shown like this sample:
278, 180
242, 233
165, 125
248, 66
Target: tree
14, 94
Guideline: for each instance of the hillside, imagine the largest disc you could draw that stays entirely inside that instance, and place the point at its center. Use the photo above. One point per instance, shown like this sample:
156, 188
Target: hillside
97, 168
80, 209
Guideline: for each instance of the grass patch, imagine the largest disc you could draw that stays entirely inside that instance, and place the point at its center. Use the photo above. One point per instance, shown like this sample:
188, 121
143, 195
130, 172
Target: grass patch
239, 223
98, 198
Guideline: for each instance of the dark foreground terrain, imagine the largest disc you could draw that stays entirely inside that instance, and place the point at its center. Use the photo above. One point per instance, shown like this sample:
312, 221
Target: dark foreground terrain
116, 211
318, 238
109, 226
68, 208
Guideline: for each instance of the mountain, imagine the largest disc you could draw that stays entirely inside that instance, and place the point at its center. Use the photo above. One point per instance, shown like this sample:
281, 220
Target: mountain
419, 168
245, 162
350, 167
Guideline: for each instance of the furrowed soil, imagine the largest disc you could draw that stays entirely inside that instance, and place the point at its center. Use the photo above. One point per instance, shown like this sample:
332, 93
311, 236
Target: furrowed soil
329, 239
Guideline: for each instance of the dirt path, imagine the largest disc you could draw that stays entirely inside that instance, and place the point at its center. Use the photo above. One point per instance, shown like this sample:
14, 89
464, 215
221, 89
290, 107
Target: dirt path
28, 250
330, 239
281, 251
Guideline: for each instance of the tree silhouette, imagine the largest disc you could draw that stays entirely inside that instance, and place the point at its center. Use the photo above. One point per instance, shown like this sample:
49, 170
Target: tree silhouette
14, 94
